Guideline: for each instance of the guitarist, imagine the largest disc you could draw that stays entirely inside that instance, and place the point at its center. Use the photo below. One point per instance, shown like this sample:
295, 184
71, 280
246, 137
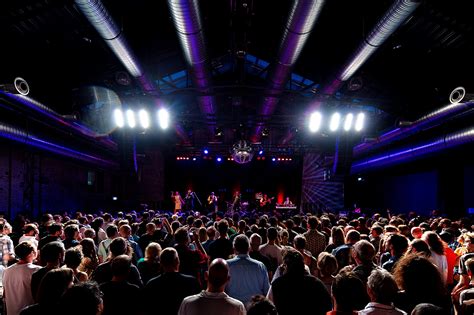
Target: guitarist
265, 203
212, 202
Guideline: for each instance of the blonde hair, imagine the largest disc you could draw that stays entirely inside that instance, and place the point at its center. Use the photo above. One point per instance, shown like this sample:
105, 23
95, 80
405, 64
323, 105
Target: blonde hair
152, 252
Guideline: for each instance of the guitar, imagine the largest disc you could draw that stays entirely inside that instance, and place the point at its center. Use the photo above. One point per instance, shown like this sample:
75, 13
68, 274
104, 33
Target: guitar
264, 202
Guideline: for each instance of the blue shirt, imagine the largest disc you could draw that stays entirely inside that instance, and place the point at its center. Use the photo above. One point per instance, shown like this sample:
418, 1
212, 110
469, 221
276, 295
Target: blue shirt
248, 277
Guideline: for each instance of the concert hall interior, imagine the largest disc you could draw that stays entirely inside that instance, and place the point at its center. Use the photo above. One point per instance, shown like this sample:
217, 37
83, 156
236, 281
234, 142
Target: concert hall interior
339, 106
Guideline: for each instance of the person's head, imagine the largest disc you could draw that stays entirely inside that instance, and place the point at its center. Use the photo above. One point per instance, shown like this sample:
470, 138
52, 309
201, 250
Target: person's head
73, 258
202, 232
84, 298
30, 230
416, 232
428, 309
55, 229
376, 230
434, 242
255, 242
397, 244
381, 287
71, 232
118, 246
222, 227
299, 242
150, 228
241, 244
125, 231
352, 237
88, 248
364, 252
152, 252
53, 285
53, 253
272, 234
260, 305
181, 236
111, 231
419, 247
26, 252
169, 260
327, 264
470, 267
120, 267
420, 279
293, 262
469, 241
337, 235
218, 275
347, 292
211, 232
284, 236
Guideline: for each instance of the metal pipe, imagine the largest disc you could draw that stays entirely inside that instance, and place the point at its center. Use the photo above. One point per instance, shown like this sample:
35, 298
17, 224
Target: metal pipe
105, 25
300, 23
409, 153
187, 21
427, 121
46, 112
17, 135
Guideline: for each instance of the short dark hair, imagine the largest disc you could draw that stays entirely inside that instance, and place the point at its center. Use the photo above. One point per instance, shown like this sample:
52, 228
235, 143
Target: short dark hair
70, 230
260, 305
241, 244
223, 226
23, 249
52, 251
168, 257
118, 246
313, 222
73, 257
348, 291
272, 233
89, 295
121, 265
54, 228
111, 230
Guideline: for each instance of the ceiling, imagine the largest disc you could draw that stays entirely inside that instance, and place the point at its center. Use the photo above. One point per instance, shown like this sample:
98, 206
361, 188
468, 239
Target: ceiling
52, 45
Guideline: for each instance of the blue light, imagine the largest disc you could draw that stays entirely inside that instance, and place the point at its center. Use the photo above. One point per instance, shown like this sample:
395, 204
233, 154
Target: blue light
194, 159
260, 152
219, 159
206, 151
274, 159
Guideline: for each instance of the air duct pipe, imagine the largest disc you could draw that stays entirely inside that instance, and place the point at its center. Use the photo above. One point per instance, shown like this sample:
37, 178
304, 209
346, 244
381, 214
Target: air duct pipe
59, 121
17, 135
409, 153
102, 21
428, 121
301, 20
187, 21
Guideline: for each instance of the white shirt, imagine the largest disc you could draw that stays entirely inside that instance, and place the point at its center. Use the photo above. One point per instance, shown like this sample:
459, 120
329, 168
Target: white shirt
31, 239
374, 308
211, 304
441, 263
17, 287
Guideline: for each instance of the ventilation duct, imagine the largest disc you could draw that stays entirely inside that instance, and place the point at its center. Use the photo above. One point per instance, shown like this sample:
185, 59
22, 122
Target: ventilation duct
19, 86
409, 153
301, 20
17, 135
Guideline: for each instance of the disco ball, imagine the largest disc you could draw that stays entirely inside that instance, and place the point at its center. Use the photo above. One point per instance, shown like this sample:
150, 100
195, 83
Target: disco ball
242, 152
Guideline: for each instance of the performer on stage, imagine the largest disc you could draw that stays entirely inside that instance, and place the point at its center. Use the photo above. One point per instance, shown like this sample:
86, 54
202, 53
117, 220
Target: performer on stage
236, 201
178, 201
212, 202
265, 203
287, 202
189, 200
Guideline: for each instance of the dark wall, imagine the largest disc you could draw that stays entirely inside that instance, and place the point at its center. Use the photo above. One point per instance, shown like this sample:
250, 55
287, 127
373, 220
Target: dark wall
35, 182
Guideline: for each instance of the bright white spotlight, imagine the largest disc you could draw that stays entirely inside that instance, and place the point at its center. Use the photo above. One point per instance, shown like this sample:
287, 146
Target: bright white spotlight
131, 118
335, 120
163, 118
144, 119
348, 122
359, 125
118, 116
315, 121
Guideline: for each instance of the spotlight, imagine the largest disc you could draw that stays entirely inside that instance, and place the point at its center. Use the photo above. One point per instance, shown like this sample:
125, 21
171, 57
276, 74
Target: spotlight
163, 118
359, 179
359, 125
315, 121
114, 198
260, 152
273, 159
206, 151
118, 116
348, 122
194, 159
144, 119
131, 118
335, 120
219, 159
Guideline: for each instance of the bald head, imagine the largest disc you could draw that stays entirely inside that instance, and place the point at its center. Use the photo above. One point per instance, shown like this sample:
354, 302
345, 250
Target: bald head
218, 275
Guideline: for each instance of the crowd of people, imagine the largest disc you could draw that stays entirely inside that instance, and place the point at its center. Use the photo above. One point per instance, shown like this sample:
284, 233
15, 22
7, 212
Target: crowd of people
153, 262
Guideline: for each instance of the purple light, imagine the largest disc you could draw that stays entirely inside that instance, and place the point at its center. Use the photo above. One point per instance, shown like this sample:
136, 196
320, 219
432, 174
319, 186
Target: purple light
219, 159
206, 151
274, 159
260, 152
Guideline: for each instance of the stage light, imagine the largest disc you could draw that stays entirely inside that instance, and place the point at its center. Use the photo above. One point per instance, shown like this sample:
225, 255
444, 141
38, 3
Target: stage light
263, 158
260, 152
194, 159
131, 118
335, 120
118, 116
163, 118
206, 151
144, 119
219, 159
348, 122
359, 179
359, 125
114, 198
315, 121
273, 159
